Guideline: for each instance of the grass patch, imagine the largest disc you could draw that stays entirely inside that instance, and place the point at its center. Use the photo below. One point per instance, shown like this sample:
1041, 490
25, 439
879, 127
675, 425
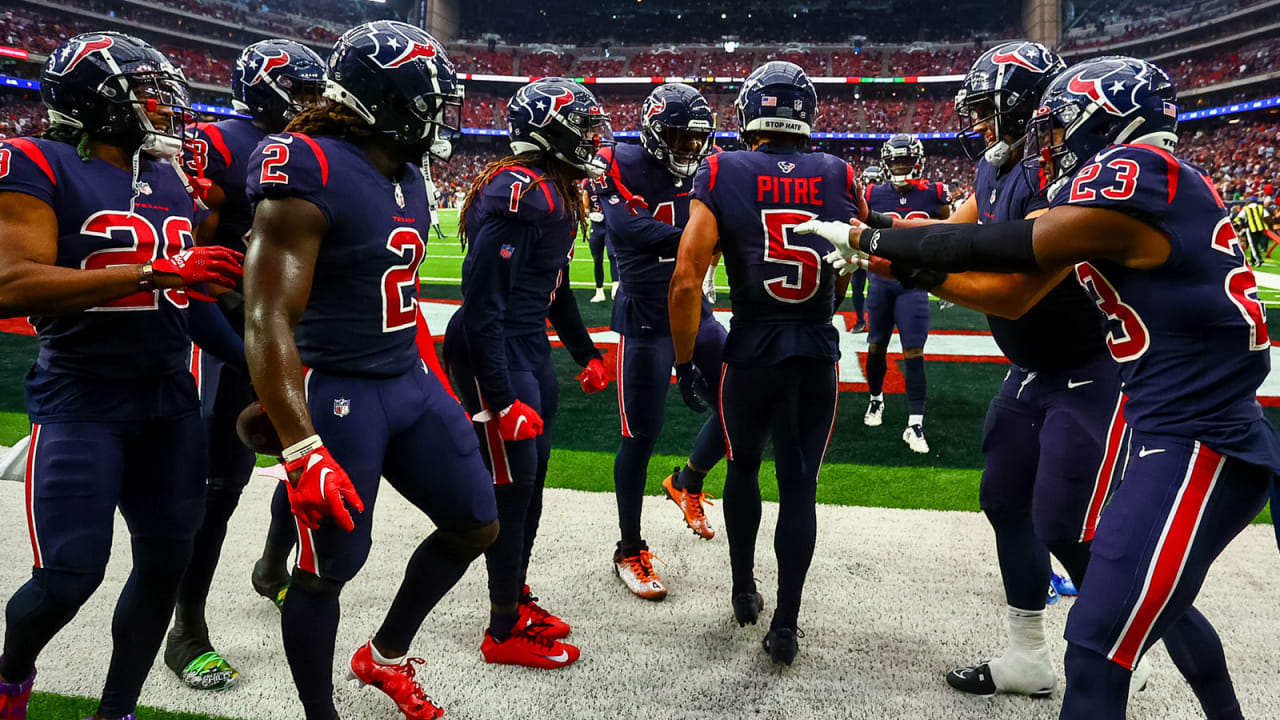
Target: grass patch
47, 706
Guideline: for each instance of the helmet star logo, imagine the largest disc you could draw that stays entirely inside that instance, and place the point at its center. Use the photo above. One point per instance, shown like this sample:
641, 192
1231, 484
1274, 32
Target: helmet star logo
269, 63
86, 48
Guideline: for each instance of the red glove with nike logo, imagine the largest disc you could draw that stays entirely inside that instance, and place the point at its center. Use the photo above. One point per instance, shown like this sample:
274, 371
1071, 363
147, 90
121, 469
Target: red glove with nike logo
320, 491
519, 422
204, 264
593, 377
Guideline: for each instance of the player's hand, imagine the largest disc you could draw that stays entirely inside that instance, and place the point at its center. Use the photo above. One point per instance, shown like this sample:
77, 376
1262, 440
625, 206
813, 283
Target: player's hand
203, 264
860, 201
319, 488
519, 422
842, 236
916, 278
709, 283
593, 377
636, 203
694, 387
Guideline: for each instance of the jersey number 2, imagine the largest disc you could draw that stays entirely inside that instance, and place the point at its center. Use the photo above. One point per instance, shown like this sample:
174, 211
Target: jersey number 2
399, 312
803, 263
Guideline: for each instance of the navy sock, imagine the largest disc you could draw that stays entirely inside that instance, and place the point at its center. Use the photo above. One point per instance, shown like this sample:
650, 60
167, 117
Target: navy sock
309, 627
857, 287
436, 566
504, 557
1074, 558
689, 479
877, 366
630, 466
915, 382
793, 544
221, 496
1024, 560
708, 449
598, 261
35, 614
742, 521
1097, 688
1195, 648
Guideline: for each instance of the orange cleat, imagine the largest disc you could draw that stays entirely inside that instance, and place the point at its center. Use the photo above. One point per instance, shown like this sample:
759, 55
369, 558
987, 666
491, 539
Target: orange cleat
637, 573
691, 505
397, 681
528, 646
532, 613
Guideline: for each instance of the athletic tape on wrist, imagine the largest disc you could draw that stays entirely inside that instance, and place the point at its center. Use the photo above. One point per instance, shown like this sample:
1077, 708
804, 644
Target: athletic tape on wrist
301, 449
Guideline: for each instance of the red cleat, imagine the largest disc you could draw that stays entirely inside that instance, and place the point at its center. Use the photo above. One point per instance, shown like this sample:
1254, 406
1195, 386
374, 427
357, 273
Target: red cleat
531, 613
397, 681
14, 698
528, 646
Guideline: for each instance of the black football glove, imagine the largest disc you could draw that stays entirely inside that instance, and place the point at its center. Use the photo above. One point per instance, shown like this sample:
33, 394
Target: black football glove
693, 387
917, 278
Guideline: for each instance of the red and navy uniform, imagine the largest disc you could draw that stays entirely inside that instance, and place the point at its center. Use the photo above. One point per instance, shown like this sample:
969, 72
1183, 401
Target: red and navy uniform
371, 399
888, 304
114, 412
221, 151
515, 278
1190, 339
1053, 434
779, 380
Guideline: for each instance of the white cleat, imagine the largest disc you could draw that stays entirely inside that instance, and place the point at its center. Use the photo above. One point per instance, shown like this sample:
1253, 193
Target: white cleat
1141, 676
875, 413
599, 296
613, 289
913, 436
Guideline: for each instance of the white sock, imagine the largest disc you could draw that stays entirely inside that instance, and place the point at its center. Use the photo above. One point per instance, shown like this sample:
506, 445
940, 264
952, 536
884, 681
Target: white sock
1026, 631
915, 420
879, 397
1025, 666
378, 658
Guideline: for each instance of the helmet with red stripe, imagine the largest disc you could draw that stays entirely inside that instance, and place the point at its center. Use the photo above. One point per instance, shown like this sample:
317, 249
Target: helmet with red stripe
560, 118
1001, 91
677, 127
273, 80
120, 89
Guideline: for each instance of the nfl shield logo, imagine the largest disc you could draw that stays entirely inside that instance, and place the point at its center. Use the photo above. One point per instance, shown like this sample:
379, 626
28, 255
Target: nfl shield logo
341, 407
507, 251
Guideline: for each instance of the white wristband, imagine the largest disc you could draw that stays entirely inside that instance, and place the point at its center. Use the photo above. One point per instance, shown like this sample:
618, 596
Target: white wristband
302, 448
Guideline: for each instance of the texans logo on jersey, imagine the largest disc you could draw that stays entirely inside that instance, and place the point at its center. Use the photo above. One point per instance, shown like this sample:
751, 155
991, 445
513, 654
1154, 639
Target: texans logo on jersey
78, 50
1110, 90
262, 64
394, 49
786, 167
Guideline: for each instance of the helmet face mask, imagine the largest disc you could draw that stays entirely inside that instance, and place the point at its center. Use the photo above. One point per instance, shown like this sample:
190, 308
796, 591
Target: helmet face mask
163, 109
902, 160
677, 128
275, 80
561, 119
998, 96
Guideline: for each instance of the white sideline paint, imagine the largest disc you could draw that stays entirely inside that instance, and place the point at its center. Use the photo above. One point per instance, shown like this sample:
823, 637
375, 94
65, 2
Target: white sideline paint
895, 599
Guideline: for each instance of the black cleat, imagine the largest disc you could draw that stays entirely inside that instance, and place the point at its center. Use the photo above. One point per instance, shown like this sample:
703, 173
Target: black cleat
270, 583
782, 644
747, 607
973, 680
860, 327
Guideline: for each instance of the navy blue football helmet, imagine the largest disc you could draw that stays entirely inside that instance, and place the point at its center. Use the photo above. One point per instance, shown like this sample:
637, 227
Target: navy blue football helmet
677, 127
871, 175
273, 80
902, 159
111, 85
777, 97
1095, 104
400, 80
1001, 91
558, 117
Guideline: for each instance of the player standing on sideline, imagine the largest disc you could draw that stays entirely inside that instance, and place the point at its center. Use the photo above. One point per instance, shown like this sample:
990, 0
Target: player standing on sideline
907, 195
96, 247
331, 286
433, 197
519, 222
1151, 241
779, 379
273, 81
645, 199
858, 278
599, 247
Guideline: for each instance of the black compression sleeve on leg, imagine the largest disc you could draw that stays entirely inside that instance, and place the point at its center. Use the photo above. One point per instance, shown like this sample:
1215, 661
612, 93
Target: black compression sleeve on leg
959, 247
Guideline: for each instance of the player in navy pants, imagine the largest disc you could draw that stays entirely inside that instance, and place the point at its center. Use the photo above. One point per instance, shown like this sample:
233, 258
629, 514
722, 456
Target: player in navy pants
1149, 239
519, 222
779, 379
599, 248
100, 268
271, 92
331, 322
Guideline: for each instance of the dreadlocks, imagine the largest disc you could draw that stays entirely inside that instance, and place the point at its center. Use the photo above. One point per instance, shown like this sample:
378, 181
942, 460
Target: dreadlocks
560, 175
333, 119
71, 135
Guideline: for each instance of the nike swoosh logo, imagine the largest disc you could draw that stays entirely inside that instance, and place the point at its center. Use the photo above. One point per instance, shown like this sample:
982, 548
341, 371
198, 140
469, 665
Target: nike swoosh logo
1145, 452
519, 420
286, 139
1072, 384
662, 259
562, 657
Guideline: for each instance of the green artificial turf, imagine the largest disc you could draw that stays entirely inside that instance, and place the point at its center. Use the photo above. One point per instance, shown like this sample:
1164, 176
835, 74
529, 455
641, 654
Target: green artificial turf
47, 706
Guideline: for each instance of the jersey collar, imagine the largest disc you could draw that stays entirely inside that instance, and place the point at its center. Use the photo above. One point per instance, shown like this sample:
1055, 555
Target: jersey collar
778, 149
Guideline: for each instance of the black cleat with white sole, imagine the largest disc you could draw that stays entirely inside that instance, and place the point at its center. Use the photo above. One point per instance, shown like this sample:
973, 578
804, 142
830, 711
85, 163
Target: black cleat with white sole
973, 680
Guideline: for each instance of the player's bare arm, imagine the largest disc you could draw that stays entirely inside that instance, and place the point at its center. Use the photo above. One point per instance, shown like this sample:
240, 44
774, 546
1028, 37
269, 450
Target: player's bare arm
697, 246
214, 199
30, 282
283, 246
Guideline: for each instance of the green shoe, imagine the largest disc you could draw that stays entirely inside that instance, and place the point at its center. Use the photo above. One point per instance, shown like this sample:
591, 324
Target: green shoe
209, 672
279, 599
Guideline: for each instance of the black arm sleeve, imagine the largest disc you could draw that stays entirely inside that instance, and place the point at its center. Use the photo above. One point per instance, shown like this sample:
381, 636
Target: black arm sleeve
566, 319
1000, 247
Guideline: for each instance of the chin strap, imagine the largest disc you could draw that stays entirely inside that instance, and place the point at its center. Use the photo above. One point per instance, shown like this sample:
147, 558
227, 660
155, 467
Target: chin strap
137, 186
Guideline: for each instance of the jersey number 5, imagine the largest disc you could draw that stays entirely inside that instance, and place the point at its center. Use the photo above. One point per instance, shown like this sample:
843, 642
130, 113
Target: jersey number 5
399, 309
804, 263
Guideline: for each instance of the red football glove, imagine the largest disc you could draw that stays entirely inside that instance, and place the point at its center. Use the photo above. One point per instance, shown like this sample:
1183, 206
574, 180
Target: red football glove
519, 422
321, 490
593, 377
217, 265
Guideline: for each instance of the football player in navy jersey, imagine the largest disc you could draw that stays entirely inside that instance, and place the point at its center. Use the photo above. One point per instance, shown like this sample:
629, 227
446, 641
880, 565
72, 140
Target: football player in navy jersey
906, 195
779, 378
645, 199
331, 309
599, 248
519, 222
96, 246
871, 175
273, 81
1150, 240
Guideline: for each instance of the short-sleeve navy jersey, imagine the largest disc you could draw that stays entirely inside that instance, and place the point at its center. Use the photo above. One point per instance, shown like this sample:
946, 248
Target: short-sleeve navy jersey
1063, 330
221, 151
922, 200
361, 316
1190, 336
130, 342
644, 242
782, 292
